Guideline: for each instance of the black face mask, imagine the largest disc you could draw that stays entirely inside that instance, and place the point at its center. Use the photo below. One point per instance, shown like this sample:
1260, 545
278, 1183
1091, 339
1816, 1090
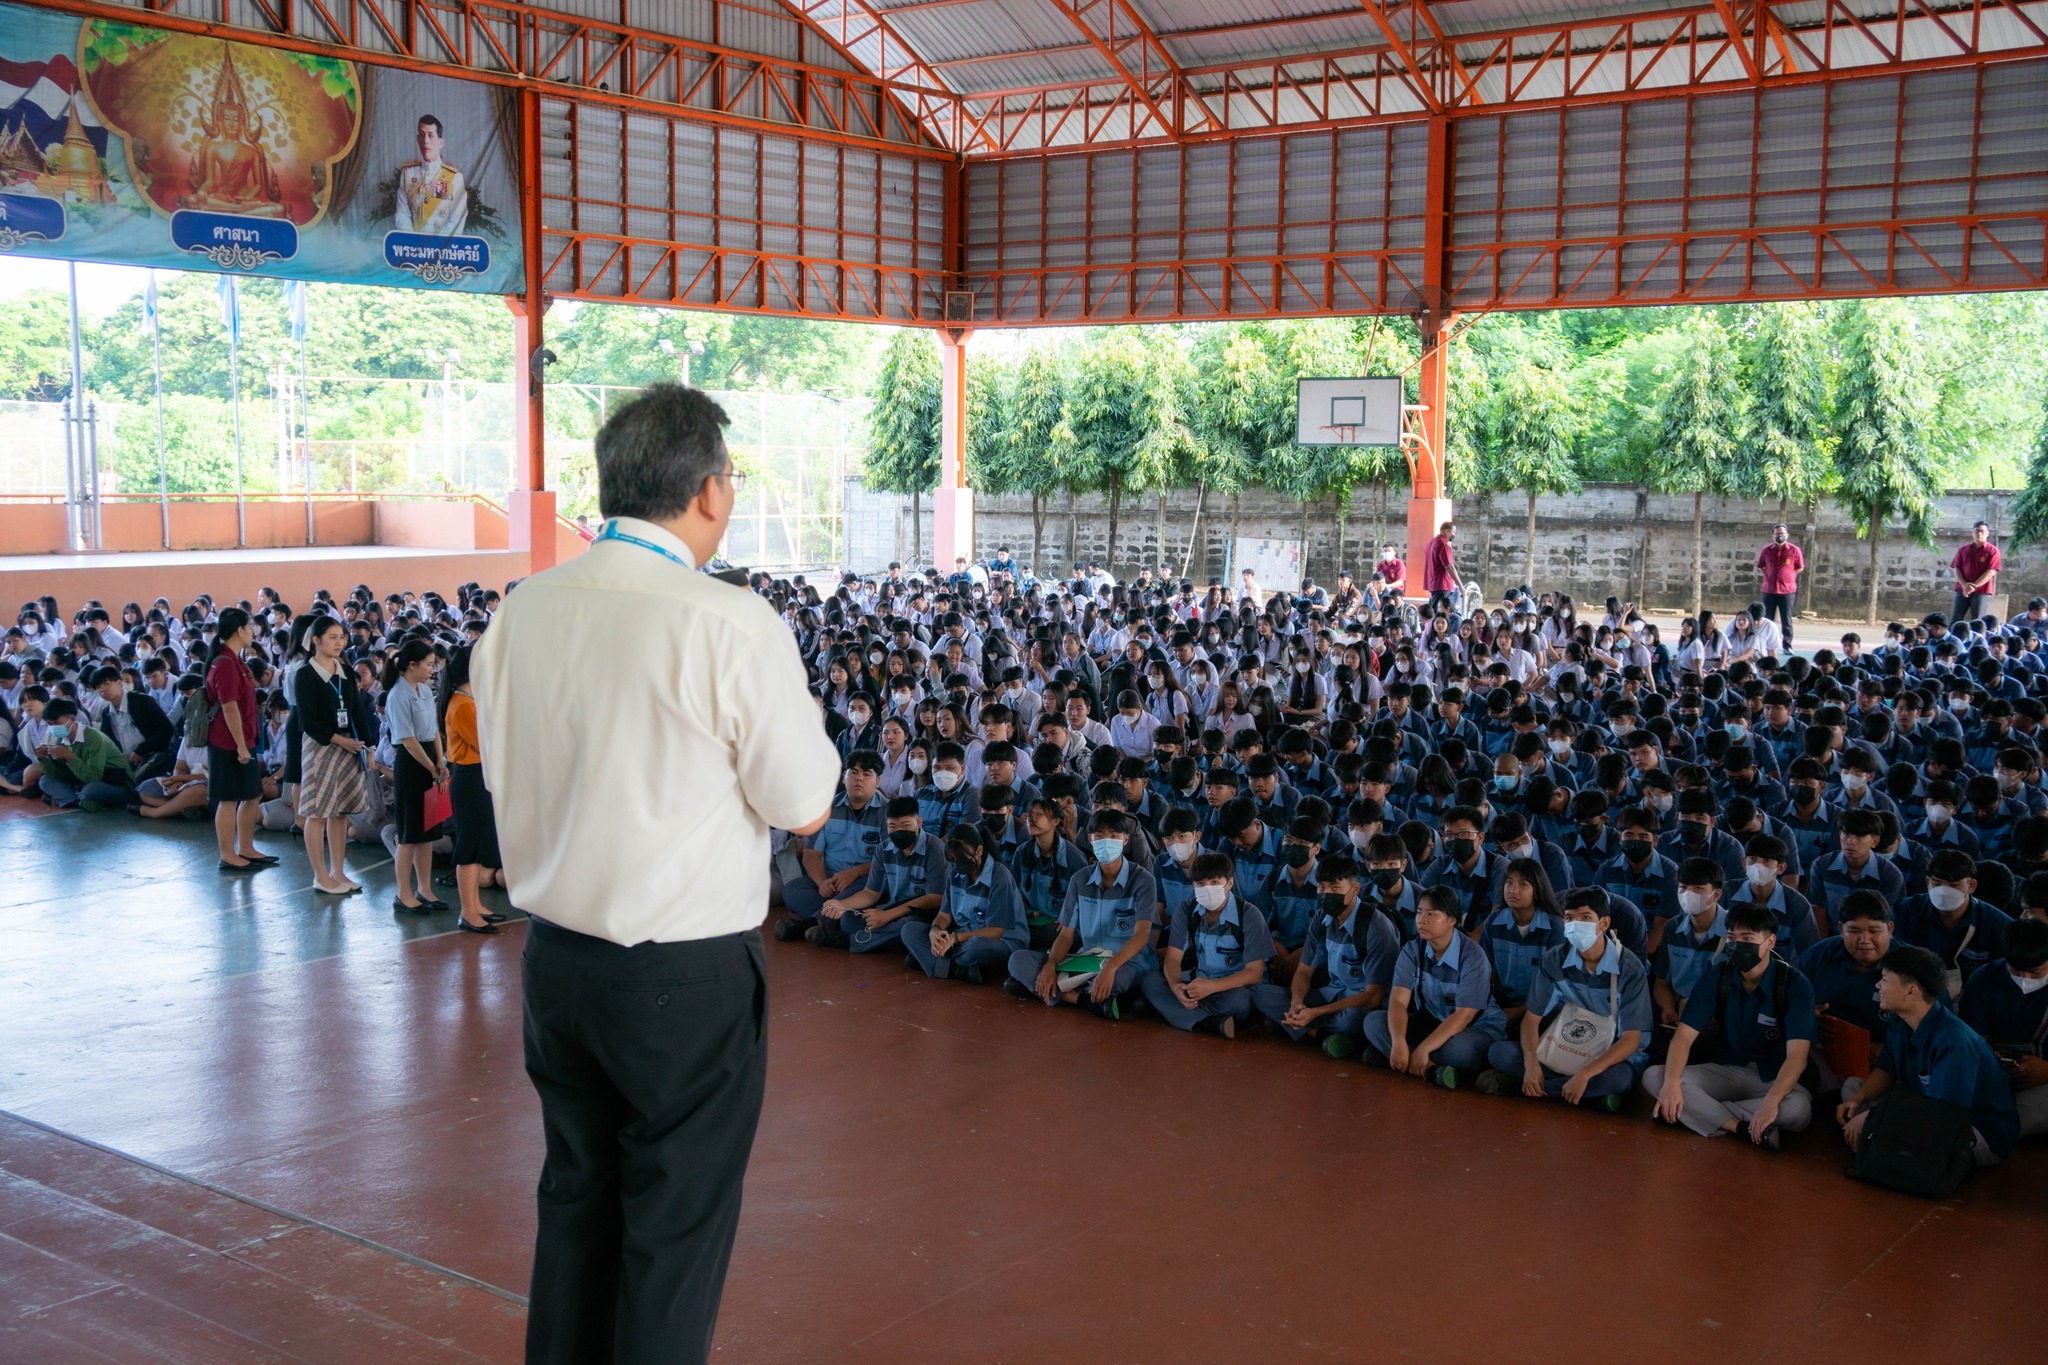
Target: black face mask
994, 826
1330, 903
1693, 832
1297, 855
966, 864
1638, 850
1744, 956
1590, 832
904, 839
1386, 878
1461, 850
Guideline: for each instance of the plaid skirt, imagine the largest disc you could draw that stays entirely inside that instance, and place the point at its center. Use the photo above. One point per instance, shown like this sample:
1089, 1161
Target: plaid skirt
330, 781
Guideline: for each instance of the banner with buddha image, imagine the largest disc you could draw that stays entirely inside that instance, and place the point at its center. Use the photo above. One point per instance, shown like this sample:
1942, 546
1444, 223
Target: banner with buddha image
130, 144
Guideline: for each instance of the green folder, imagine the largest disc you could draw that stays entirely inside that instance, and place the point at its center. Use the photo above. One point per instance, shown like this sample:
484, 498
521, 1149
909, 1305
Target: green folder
1083, 962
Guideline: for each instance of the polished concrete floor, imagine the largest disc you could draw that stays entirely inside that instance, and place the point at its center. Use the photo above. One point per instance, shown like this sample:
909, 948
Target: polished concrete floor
243, 1124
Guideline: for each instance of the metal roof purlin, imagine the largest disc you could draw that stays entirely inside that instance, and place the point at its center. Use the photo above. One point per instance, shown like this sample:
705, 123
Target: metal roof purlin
1383, 15
941, 112
1115, 31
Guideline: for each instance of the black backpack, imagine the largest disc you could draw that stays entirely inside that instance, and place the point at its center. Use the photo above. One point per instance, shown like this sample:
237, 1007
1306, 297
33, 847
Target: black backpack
1915, 1145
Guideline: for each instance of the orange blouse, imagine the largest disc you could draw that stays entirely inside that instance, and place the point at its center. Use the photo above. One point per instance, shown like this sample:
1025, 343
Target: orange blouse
461, 740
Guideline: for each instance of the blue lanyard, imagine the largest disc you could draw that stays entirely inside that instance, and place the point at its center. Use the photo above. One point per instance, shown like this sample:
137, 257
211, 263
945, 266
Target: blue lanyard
612, 532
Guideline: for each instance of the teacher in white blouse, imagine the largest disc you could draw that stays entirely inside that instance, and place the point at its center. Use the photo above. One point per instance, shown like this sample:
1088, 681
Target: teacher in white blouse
642, 727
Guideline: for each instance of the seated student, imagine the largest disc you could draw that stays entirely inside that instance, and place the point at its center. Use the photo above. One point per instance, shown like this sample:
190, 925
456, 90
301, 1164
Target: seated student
1808, 817
949, 799
1464, 867
1928, 1051
1593, 844
1938, 827
80, 765
1950, 921
1221, 788
1511, 834
180, 792
1646, 877
980, 922
906, 878
1289, 894
1763, 883
1524, 927
1108, 913
1043, 863
1843, 971
1251, 843
1440, 1017
2007, 1002
1590, 970
1697, 834
1000, 829
1231, 946
1181, 844
1140, 843
1142, 802
1347, 964
1388, 885
1275, 799
1856, 866
1687, 945
1752, 1018
838, 855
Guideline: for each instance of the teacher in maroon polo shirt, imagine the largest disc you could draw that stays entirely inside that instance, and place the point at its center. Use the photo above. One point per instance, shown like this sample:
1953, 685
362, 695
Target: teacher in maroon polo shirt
1976, 566
1780, 563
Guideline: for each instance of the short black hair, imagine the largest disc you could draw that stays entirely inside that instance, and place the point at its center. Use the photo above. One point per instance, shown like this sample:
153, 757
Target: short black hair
1916, 965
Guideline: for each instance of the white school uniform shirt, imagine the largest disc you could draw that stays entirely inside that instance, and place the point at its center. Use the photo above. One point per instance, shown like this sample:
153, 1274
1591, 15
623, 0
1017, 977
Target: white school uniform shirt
643, 813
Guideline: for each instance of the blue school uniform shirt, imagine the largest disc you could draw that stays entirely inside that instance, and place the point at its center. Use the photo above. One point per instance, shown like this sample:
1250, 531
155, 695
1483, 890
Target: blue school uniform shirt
988, 900
1974, 939
1842, 986
1355, 952
1105, 914
1176, 890
941, 811
1514, 950
1815, 835
1945, 1059
1616, 987
1043, 878
1461, 979
1996, 1007
1831, 881
1684, 955
1254, 867
1749, 1029
1237, 937
1796, 928
1290, 907
851, 837
1653, 889
902, 876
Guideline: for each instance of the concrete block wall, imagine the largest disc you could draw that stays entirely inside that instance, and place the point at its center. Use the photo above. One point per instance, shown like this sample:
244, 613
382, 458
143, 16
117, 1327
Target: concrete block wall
1609, 539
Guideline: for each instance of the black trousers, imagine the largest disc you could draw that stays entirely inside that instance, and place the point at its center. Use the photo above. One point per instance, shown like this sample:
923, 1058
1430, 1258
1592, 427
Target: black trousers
1779, 604
1967, 606
650, 1062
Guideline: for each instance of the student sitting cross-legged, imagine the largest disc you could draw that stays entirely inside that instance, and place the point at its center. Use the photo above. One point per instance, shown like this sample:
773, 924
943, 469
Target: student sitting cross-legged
982, 919
1230, 945
1348, 961
907, 878
1440, 1017
1586, 1031
1106, 920
1751, 1018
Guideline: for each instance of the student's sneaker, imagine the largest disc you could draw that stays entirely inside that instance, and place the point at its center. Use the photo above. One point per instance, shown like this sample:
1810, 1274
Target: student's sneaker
1445, 1076
1338, 1046
1108, 1009
790, 928
1772, 1141
1495, 1082
1227, 1027
1369, 1054
1012, 986
971, 975
826, 936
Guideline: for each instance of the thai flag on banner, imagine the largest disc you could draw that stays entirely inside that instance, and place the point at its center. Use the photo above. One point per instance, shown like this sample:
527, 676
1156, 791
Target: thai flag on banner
149, 319
230, 290
295, 304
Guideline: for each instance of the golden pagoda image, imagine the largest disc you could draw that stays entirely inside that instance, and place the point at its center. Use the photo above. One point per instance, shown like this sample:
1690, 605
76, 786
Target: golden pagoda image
74, 166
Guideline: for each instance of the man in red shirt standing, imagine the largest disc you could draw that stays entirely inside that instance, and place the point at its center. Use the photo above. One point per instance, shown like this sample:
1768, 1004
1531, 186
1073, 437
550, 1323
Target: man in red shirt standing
1976, 566
1393, 573
1440, 569
1780, 563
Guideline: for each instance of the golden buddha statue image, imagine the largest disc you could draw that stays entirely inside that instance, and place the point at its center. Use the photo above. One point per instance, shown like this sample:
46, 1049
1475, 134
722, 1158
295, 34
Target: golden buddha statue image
432, 197
230, 173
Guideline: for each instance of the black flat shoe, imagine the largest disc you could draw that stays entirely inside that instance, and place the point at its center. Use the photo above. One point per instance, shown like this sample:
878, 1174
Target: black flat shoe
436, 905
241, 867
261, 859
402, 908
466, 927
493, 917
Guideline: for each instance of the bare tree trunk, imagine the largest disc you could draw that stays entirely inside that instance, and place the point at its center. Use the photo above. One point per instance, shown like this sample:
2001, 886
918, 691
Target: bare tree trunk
916, 529
1876, 544
1073, 530
1037, 530
1304, 538
1529, 560
1230, 550
1485, 538
1379, 528
899, 530
1340, 516
1699, 545
1195, 531
1642, 545
1159, 533
1784, 504
1812, 542
1116, 507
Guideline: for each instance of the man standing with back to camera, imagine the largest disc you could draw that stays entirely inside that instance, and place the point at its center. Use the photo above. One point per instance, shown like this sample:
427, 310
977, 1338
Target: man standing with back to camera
643, 725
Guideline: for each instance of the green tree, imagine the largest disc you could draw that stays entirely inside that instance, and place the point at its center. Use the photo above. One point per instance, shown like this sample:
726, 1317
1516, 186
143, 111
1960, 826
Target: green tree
1024, 454
35, 347
1699, 428
1884, 414
1244, 411
1535, 427
1108, 432
2030, 513
199, 456
1788, 449
903, 425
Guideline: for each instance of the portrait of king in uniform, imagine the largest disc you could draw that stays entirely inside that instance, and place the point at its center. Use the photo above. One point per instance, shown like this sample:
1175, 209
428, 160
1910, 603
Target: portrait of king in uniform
432, 196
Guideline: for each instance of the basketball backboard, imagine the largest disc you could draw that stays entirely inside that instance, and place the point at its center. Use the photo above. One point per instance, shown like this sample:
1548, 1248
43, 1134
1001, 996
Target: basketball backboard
1356, 410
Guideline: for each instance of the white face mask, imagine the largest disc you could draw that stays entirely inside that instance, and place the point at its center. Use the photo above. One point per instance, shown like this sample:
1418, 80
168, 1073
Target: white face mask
1660, 802
1561, 748
2008, 781
1947, 898
1939, 815
1759, 874
1854, 782
1211, 897
1359, 839
1695, 902
859, 718
1525, 849
2027, 984
918, 763
1183, 850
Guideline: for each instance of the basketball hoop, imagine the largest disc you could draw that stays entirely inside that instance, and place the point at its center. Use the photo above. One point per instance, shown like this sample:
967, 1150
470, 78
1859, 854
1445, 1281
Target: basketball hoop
1343, 434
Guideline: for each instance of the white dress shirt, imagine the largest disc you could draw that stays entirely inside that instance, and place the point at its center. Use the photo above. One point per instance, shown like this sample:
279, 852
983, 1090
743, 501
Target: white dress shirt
642, 727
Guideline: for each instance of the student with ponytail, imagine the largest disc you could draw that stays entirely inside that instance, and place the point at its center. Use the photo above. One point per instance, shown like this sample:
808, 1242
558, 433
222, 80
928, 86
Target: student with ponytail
410, 712
233, 734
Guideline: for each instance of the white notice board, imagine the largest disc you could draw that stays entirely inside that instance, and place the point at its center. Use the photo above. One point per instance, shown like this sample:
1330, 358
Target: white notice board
1275, 564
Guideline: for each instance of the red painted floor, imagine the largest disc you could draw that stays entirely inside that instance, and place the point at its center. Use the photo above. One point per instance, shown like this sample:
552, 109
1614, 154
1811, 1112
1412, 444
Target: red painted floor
943, 1173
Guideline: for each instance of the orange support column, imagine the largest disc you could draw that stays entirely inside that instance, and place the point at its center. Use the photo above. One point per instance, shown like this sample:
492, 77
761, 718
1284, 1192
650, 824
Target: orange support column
953, 505
533, 502
1428, 507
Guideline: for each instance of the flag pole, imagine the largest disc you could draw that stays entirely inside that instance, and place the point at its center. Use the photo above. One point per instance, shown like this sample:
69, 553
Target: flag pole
156, 349
231, 300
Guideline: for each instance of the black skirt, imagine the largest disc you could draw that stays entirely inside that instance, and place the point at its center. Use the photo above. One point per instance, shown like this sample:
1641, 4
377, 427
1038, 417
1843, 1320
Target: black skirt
476, 824
410, 783
231, 781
